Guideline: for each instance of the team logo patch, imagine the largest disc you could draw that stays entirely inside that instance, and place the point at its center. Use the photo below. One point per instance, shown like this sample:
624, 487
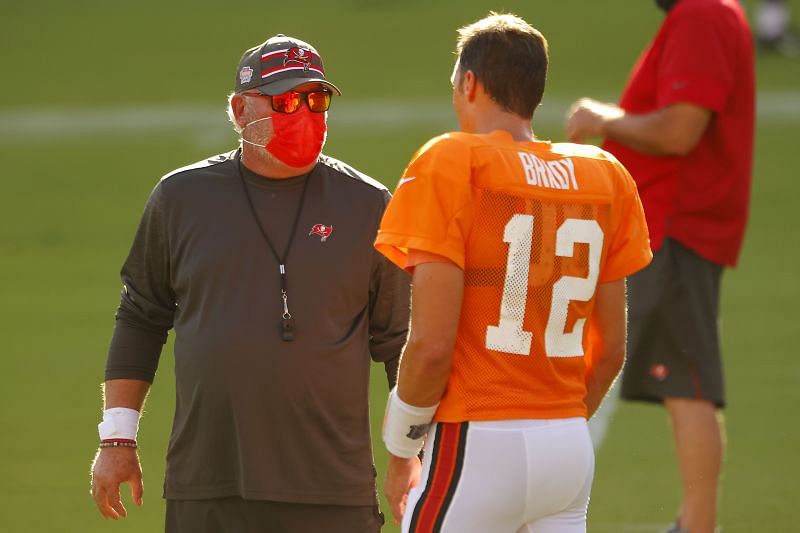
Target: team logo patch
417, 432
659, 372
322, 230
245, 75
297, 56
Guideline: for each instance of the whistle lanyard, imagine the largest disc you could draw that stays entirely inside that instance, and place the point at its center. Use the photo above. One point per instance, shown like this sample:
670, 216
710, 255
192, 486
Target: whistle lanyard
287, 325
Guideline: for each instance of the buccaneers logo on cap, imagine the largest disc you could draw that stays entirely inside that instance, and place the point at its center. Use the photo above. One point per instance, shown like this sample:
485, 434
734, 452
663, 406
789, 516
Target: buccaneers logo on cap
297, 56
322, 230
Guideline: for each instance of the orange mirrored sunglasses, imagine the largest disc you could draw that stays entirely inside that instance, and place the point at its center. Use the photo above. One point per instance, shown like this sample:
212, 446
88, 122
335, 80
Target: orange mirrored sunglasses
289, 102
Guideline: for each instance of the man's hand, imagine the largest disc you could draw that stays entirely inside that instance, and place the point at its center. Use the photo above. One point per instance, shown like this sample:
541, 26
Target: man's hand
112, 467
587, 117
401, 476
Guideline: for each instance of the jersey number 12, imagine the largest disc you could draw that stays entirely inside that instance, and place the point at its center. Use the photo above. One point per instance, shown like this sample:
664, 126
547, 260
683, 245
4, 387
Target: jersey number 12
508, 336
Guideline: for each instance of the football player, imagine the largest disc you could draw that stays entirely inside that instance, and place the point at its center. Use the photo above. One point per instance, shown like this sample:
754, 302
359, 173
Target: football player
519, 250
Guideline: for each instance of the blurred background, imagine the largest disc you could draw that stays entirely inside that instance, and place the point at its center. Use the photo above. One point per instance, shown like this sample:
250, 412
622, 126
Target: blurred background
100, 99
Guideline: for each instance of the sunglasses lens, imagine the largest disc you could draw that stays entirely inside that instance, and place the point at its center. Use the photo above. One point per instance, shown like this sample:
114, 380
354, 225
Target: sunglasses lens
286, 102
319, 101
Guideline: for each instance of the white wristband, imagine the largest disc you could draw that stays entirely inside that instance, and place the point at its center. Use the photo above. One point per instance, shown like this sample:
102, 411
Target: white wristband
404, 426
119, 423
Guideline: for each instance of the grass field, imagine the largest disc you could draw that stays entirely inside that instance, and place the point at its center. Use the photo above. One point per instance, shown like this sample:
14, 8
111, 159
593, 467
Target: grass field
101, 99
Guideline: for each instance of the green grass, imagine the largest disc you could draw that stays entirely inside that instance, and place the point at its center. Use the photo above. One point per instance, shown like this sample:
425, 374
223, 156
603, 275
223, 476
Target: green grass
70, 203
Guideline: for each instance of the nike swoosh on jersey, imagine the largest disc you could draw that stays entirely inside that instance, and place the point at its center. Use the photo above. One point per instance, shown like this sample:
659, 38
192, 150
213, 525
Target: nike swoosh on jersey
405, 180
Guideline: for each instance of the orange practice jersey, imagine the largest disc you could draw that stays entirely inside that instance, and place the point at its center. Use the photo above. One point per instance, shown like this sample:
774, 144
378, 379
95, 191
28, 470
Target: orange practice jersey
535, 226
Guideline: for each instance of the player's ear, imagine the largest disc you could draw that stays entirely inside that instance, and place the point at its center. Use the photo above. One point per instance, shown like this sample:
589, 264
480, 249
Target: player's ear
469, 85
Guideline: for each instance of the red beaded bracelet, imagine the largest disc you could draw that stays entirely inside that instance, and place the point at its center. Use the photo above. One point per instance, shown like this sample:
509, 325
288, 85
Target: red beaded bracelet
116, 443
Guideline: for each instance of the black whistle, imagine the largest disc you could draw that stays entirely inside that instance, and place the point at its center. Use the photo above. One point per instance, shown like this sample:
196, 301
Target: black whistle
287, 332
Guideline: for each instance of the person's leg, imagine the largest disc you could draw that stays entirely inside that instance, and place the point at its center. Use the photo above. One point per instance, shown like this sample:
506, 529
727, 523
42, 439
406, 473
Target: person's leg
216, 515
677, 361
699, 443
285, 517
236, 515
497, 476
560, 478
473, 480
570, 520
696, 423
649, 360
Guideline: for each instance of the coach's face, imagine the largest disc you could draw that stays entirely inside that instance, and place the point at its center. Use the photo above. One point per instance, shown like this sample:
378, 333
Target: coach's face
252, 111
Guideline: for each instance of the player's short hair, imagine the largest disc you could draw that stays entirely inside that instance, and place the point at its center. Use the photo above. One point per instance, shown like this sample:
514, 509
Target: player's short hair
509, 57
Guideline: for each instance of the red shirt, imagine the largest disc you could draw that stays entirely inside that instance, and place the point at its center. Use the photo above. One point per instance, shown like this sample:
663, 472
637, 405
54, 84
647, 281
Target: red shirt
703, 55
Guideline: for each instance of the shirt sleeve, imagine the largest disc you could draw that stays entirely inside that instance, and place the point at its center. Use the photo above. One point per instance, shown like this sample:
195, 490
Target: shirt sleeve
695, 65
629, 249
417, 257
147, 306
429, 209
388, 313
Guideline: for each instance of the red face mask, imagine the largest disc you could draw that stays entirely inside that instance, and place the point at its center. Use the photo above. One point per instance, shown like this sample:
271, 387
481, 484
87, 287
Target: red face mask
298, 137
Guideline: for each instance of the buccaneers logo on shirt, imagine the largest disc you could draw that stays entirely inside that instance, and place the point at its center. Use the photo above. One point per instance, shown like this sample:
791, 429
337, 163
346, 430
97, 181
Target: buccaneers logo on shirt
297, 56
322, 230
659, 371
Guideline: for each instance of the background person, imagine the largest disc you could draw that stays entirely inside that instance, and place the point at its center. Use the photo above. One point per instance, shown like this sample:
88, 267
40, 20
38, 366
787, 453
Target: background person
773, 28
684, 129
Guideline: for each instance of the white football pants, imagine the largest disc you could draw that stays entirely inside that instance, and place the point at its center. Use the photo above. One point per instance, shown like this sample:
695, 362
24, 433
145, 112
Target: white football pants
508, 476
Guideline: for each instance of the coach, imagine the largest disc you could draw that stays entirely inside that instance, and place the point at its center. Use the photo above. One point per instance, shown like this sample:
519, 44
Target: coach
262, 261
684, 129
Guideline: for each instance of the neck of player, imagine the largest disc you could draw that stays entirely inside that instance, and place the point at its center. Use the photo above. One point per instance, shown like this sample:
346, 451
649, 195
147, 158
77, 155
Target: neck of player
519, 128
481, 114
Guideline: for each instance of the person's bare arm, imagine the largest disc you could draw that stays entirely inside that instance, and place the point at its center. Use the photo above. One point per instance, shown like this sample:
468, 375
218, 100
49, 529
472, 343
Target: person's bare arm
129, 393
114, 466
673, 130
611, 318
437, 291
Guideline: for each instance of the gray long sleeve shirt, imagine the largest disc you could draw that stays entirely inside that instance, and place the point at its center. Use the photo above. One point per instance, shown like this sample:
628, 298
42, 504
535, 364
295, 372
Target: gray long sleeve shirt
256, 416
